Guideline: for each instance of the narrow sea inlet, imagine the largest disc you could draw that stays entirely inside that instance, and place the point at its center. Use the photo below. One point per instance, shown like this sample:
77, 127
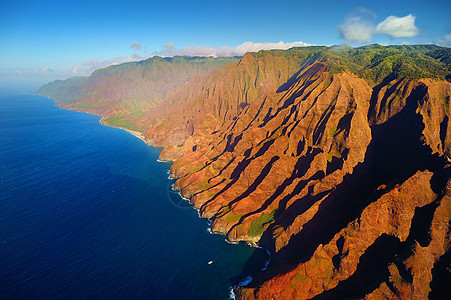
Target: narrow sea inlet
86, 211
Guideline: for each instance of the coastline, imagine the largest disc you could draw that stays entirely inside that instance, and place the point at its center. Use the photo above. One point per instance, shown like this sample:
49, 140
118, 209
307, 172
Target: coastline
137, 134
248, 279
244, 281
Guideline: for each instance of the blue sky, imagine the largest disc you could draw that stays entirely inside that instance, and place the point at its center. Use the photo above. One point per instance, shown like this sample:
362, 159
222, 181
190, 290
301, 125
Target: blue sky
45, 40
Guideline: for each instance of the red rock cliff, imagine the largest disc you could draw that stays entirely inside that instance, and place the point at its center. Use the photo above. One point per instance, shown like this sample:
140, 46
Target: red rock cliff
342, 177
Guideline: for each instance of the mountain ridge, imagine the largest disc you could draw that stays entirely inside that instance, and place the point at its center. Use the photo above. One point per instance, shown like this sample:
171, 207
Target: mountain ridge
122, 93
326, 156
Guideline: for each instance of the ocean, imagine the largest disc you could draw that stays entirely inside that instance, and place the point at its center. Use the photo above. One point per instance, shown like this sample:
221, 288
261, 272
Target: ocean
87, 211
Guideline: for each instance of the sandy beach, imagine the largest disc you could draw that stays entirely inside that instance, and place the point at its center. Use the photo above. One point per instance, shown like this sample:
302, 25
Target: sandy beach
138, 134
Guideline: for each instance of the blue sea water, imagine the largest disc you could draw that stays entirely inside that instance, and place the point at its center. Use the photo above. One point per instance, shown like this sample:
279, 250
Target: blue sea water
86, 211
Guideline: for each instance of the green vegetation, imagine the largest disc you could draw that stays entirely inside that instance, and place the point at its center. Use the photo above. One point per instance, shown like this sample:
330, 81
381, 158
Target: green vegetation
212, 194
84, 106
195, 168
223, 211
211, 171
333, 153
258, 225
125, 120
376, 62
275, 134
232, 218
298, 280
119, 121
65, 91
204, 185
445, 101
333, 131
163, 125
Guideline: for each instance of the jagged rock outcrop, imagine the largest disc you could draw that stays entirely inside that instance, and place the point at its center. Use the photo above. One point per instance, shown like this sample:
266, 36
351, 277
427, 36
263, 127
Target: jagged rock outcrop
208, 102
388, 251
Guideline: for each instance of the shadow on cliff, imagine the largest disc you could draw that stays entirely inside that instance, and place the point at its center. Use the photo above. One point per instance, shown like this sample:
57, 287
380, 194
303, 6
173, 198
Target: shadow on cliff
372, 269
297, 86
395, 153
441, 277
240, 168
254, 265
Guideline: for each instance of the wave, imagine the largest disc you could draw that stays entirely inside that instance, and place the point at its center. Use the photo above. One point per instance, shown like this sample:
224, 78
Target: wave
269, 259
232, 293
248, 279
231, 242
184, 198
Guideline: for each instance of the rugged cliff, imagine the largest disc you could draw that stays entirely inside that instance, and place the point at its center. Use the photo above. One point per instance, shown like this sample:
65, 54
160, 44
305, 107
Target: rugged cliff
335, 159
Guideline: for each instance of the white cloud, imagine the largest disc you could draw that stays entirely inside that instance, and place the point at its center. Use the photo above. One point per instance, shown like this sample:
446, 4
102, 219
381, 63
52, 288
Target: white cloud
46, 74
90, 62
446, 41
136, 46
46, 70
74, 69
357, 30
255, 47
169, 45
169, 49
38, 71
396, 27
95, 64
359, 26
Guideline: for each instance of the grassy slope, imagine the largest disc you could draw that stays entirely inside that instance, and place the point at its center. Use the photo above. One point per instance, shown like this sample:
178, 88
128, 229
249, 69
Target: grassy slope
66, 91
376, 62
122, 93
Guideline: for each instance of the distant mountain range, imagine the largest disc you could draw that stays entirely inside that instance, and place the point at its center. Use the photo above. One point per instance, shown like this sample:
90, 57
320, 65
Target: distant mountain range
336, 159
